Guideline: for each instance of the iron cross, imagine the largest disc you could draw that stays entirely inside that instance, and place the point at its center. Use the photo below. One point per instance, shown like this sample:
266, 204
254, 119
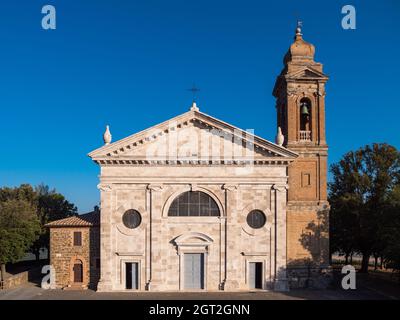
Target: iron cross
194, 90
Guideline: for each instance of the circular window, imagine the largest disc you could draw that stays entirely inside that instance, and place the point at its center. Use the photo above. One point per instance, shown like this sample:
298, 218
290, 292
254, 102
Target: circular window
131, 219
256, 219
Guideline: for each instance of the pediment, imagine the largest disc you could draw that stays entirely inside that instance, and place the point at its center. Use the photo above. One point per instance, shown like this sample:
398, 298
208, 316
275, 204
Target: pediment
306, 73
192, 138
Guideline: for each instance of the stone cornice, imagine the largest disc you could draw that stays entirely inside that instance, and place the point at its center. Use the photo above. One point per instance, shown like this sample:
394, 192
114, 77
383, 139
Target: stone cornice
103, 161
186, 180
308, 205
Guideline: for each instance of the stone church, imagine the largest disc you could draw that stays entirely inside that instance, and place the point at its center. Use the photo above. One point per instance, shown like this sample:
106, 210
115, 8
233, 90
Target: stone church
195, 203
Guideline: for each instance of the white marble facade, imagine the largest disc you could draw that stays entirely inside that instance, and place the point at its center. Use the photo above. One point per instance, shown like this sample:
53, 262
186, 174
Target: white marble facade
193, 152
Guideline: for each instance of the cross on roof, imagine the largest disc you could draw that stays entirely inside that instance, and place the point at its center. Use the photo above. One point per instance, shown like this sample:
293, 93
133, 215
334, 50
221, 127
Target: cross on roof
194, 90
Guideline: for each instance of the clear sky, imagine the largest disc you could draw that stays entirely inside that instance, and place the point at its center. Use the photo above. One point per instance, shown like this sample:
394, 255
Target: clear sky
128, 64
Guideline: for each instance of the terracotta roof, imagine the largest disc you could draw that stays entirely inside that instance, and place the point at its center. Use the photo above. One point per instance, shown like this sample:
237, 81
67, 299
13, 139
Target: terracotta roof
83, 220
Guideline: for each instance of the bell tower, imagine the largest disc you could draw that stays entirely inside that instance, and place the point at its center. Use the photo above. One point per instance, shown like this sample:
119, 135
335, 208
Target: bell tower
300, 104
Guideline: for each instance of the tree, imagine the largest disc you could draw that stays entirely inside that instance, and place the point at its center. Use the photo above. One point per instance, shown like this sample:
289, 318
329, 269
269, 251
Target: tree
343, 226
391, 231
51, 206
359, 195
48, 204
23, 192
19, 227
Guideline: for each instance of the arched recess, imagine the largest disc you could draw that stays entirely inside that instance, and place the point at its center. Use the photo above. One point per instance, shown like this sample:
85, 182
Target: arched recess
78, 260
181, 190
304, 133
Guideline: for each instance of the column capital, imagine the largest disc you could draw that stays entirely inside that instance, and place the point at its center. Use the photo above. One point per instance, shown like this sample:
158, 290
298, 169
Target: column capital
230, 187
280, 187
155, 187
104, 187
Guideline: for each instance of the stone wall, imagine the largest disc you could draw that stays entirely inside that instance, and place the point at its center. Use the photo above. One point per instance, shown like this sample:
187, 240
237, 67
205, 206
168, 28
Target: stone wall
14, 281
20, 278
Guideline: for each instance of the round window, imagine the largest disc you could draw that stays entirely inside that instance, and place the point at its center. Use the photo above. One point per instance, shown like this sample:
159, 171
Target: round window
131, 219
256, 219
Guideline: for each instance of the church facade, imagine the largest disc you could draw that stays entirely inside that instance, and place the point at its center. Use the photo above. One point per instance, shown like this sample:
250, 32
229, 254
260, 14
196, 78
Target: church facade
195, 203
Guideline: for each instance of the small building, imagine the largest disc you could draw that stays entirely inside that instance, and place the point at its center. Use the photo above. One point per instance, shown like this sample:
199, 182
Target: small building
75, 250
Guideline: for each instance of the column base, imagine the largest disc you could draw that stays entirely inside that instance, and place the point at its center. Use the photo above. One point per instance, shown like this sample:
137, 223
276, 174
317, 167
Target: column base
104, 286
231, 285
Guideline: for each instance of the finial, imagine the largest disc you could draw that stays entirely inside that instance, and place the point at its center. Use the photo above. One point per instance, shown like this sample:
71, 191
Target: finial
298, 28
194, 106
279, 137
107, 136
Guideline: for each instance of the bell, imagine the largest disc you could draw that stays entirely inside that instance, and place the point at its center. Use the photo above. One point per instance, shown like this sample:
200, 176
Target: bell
304, 110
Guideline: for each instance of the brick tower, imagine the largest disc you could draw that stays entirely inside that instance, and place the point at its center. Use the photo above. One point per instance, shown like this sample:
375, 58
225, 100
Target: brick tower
300, 105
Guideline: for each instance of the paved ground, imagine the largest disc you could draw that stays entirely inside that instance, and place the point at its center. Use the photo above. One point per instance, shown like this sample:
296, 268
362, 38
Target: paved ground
367, 289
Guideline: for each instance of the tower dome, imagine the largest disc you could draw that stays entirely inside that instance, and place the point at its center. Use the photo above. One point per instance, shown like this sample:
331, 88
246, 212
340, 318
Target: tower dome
300, 50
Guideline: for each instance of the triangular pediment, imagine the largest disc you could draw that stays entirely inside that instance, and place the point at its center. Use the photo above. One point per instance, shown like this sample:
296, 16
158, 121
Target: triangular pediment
192, 138
306, 73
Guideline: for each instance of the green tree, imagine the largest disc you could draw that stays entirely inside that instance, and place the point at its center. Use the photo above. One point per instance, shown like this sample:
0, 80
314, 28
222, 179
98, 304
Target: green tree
23, 192
343, 226
363, 181
391, 231
19, 227
51, 206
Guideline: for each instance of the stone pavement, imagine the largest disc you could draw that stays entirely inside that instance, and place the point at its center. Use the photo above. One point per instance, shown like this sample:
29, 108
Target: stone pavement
365, 291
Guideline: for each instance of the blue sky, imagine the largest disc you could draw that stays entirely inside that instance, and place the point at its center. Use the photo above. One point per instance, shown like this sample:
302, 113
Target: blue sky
129, 63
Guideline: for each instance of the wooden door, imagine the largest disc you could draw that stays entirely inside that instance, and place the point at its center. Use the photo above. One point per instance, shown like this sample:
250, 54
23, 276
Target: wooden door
78, 272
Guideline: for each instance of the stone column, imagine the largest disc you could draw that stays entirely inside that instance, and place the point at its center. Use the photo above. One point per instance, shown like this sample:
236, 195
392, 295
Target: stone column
321, 109
280, 276
232, 233
291, 118
106, 250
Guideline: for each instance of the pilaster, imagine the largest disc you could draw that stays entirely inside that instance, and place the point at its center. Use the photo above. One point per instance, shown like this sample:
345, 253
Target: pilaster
106, 250
280, 278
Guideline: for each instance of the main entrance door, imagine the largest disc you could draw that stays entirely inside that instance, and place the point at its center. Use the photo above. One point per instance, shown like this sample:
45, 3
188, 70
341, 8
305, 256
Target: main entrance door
255, 275
194, 271
131, 275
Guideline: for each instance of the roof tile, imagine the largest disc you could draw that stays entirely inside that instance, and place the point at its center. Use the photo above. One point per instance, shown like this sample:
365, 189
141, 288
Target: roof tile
83, 220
